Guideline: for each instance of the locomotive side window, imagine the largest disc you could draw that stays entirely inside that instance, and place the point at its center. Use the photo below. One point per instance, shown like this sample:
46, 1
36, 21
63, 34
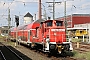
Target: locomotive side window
58, 23
49, 23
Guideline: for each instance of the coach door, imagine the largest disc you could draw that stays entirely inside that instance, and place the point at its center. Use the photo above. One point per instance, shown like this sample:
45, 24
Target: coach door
29, 35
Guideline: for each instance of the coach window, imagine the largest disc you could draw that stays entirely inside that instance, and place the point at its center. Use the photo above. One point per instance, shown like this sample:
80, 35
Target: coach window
58, 23
49, 23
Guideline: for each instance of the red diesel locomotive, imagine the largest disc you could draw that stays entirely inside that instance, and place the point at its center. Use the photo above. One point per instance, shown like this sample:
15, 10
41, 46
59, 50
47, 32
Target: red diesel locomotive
48, 36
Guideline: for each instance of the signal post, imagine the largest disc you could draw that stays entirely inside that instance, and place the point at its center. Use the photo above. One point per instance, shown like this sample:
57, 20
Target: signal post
17, 23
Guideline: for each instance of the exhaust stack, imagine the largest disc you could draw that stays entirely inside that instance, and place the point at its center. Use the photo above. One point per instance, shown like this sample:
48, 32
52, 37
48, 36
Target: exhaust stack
39, 12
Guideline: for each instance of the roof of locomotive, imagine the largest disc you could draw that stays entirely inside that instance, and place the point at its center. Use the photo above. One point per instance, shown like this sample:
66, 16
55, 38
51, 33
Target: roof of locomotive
52, 20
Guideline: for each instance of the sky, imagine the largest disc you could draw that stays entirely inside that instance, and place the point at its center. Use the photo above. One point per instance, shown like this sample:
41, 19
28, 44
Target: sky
21, 7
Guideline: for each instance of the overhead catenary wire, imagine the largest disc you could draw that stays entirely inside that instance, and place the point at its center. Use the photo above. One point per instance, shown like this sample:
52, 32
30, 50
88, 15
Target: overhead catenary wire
24, 3
7, 8
18, 1
78, 7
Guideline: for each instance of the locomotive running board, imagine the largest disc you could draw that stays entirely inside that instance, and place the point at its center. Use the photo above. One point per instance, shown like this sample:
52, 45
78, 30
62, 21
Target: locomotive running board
66, 42
45, 51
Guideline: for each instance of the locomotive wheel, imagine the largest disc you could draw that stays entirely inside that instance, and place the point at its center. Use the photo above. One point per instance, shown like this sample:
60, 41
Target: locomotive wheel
66, 53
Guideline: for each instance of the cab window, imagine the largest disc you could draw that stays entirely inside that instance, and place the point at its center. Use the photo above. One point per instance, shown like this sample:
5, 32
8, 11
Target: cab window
49, 23
58, 23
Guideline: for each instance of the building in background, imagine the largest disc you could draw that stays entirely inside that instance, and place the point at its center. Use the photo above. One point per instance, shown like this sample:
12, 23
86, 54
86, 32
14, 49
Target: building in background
28, 18
76, 19
78, 25
4, 30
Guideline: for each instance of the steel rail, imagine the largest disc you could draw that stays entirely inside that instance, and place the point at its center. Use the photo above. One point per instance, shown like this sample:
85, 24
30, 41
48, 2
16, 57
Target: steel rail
13, 52
2, 55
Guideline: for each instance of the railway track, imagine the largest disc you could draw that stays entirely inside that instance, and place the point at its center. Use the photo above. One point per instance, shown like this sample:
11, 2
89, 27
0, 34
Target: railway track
40, 55
82, 47
55, 56
8, 54
35, 54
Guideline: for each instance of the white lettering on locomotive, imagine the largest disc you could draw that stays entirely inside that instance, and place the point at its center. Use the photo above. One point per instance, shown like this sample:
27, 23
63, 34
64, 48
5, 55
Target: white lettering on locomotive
57, 29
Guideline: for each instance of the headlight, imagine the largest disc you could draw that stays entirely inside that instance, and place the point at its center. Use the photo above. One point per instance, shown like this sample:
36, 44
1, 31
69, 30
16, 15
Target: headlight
47, 39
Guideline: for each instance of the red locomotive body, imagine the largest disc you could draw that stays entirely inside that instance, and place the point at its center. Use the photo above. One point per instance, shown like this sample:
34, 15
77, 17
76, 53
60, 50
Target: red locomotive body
49, 36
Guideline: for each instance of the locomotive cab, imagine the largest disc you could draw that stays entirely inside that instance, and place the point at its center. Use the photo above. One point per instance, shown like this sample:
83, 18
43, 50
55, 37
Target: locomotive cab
55, 30
54, 36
